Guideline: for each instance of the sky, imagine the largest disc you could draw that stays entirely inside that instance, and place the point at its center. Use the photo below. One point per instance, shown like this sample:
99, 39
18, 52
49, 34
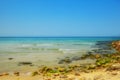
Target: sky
59, 17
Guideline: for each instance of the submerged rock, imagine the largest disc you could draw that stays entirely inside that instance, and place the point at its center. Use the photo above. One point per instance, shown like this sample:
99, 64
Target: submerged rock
102, 47
65, 60
10, 58
35, 73
76, 58
25, 63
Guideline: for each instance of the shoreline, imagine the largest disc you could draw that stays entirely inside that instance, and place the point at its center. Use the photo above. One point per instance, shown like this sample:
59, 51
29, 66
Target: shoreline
106, 71
106, 67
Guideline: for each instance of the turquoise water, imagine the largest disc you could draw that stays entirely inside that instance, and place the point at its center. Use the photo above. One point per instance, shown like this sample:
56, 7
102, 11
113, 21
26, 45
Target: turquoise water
43, 50
41, 44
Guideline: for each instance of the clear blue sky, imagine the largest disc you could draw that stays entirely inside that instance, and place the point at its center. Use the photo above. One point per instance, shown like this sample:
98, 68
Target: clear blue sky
59, 17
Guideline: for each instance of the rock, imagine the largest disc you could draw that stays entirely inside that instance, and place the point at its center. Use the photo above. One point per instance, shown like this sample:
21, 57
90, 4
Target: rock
116, 45
24, 63
4, 74
1, 75
48, 79
35, 73
61, 62
10, 58
63, 76
103, 61
97, 56
66, 60
77, 74
103, 47
114, 73
113, 67
86, 71
60, 69
76, 58
16, 73
56, 74
92, 66
90, 52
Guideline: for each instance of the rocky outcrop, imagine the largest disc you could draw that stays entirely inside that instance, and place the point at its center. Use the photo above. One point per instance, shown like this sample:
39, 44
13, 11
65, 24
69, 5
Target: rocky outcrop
116, 45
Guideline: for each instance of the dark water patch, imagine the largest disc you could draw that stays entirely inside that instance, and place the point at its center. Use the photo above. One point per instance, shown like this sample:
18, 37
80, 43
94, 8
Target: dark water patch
75, 58
106, 45
68, 60
10, 58
65, 60
102, 47
101, 51
25, 63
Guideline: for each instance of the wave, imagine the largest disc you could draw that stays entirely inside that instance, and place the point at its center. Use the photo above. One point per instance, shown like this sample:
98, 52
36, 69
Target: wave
84, 43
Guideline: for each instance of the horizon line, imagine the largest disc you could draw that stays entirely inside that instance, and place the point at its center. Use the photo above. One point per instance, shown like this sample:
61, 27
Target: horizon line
50, 36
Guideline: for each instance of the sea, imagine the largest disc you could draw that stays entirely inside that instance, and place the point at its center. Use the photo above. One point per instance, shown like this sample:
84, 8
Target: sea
49, 51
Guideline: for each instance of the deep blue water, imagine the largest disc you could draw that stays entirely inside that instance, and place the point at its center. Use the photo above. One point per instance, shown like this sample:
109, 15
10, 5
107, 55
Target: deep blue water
59, 39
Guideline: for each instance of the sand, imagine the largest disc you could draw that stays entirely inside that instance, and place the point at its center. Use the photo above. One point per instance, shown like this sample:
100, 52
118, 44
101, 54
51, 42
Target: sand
95, 75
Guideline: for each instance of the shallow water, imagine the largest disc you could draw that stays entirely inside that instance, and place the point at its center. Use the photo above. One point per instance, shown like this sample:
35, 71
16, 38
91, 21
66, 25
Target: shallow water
43, 50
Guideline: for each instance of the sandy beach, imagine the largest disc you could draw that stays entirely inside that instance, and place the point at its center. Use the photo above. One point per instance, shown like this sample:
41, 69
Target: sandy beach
95, 75
104, 67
